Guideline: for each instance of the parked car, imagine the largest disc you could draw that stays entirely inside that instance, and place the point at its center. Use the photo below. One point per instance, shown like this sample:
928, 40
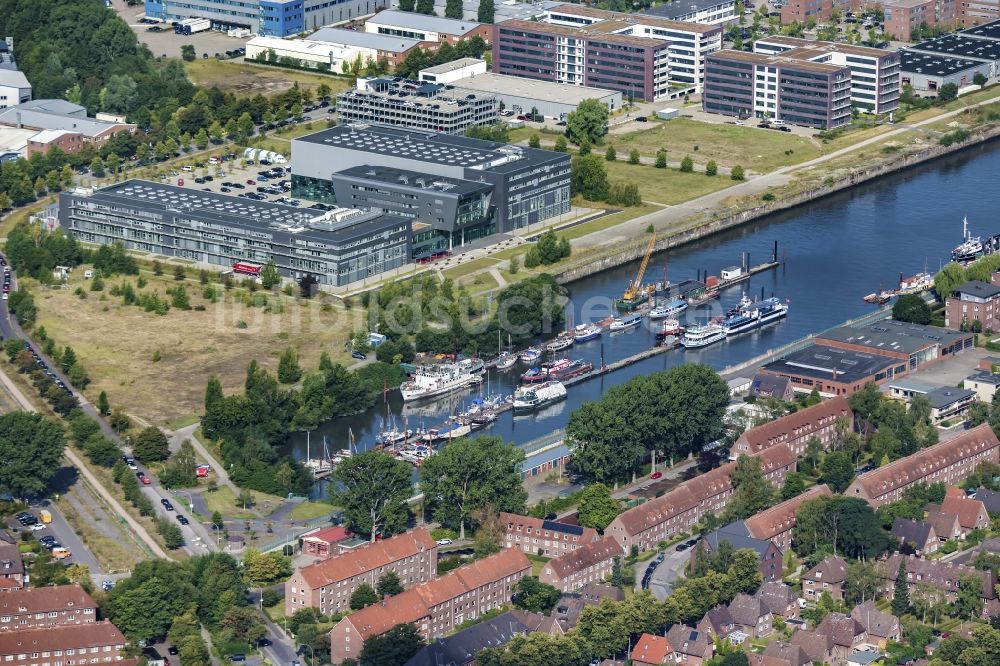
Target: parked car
358, 355
656, 475
444, 542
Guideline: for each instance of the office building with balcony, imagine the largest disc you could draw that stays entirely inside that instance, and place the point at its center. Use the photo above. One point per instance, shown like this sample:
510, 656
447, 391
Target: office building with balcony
642, 57
755, 85
875, 73
334, 248
417, 105
526, 185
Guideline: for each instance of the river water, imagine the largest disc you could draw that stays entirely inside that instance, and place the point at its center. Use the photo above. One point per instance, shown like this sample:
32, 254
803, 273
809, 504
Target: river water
833, 252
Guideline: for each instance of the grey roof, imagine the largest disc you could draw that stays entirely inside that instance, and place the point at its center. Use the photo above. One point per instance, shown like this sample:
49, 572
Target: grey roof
990, 499
431, 147
984, 31
62, 106
244, 213
544, 91
961, 46
738, 537
460, 649
864, 657
821, 362
769, 385
450, 66
915, 532
911, 385
984, 378
686, 640
978, 288
366, 40
414, 21
675, 10
43, 120
944, 396
934, 64
14, 78
415, 179
895, 336
746, 610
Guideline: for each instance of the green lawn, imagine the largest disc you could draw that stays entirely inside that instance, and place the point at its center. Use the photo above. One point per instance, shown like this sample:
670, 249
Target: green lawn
537, 562
755, 149
470, 267
665, 186
309, 510
608, 221
224, 501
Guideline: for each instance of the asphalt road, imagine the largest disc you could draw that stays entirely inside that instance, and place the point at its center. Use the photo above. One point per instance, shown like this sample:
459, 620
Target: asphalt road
672, 568
63, 533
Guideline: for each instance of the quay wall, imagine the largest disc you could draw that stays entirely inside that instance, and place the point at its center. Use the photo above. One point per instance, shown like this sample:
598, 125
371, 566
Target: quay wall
636, 250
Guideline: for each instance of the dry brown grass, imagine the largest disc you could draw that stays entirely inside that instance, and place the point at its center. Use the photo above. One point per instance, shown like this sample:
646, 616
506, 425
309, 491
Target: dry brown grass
246, 79
117, 343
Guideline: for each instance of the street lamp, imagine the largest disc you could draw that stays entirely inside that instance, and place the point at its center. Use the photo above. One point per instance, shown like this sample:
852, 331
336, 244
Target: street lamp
312, 653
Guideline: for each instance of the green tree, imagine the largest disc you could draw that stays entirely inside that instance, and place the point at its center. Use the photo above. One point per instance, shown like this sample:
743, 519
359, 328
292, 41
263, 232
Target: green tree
180, 472
560, 146
589, 122
425, 7
947, 92
393, 648
534, 596
188, 53
534, 141
103, 406
979, 79
584, 147
589, 177
610, 155
289, 371
711, 168
201, 139
793, 487
633, 156
470, 474
375, 487
453, 9
265, 568
363, 595
661, 159
486, 11
837, 470
151, 445
844, 525
863, 582
979, 413
687, 164
213, 393
736, 173
752, 492
597, 507
901, 592
389, 584
269, 275
67, 358
911, 308
31, 447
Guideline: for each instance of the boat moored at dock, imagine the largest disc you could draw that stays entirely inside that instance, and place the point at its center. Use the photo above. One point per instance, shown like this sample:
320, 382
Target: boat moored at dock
586, 332
626, 322
530, 398
702, 336
753, 316
428, 381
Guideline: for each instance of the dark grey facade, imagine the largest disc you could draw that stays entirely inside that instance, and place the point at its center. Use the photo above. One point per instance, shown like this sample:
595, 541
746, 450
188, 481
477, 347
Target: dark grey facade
335, 247
417, 105
527, 185
451, 212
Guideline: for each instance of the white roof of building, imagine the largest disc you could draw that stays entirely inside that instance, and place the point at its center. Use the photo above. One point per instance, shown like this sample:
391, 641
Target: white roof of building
364, 40
25, 116
47, 136
414, 21
13, 139
549, 91
13, 78
303, 47
452, 66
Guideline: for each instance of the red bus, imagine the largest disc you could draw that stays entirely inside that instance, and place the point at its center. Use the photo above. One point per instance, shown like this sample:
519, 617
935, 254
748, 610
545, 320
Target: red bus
246, 269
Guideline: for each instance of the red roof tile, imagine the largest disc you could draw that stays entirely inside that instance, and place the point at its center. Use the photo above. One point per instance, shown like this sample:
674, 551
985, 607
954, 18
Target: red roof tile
781, 517
797, 424
334, 534
45, 599
968, 510
585, 557
93, 634
367, 558
651, 650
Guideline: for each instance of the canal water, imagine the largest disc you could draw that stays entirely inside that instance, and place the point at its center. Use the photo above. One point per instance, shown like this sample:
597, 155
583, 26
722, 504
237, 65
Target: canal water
833, 252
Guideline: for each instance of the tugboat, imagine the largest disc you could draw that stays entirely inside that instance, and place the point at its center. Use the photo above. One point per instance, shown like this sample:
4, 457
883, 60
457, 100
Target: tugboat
754, 316
702, 336
586, 332
626, 322
530, 398
670, 309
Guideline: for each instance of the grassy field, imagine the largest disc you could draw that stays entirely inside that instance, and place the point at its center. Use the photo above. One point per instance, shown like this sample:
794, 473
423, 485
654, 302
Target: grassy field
224, 501
117, 344
246, 79
755, 149
115, 555
665, 186
309, 510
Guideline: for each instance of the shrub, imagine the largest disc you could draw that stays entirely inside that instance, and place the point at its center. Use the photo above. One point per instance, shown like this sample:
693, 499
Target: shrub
711, 168
687, 164
737, 173
661, 159
633, 156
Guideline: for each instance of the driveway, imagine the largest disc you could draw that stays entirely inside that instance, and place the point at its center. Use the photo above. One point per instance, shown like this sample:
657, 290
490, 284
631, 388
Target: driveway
672, 568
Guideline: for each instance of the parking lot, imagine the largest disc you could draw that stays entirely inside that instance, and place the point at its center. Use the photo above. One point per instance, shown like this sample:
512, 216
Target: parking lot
167, 43
661, 579
55, 534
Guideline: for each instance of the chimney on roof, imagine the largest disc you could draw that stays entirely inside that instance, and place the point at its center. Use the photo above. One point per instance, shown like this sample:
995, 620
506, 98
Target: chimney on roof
18, 120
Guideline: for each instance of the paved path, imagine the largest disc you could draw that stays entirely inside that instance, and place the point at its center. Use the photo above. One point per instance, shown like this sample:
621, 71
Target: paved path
501, 282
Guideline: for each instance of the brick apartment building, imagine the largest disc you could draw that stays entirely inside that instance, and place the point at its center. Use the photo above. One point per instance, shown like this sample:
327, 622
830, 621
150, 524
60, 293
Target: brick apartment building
40, 607
949, 462
588, 564
681, 508
798, 428
776, 524
827, 576
548, 538
435, 607
328, 585
639, 56
902, 17
69, 645
974, 301
943, 576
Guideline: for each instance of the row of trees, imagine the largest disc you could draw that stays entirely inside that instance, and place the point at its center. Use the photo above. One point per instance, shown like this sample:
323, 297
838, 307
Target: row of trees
548, 249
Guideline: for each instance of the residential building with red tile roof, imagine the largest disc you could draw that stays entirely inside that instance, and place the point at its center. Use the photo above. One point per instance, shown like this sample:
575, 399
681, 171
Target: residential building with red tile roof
548, 538
590, 563
691, 646
948, 462
751, 616
680, 509
437, 606
797, 428
972, 514
827, 576
323, 543
881, 627
844, 631
67, 645
39, 607
943, 576
652, 651
328, 585
776, 524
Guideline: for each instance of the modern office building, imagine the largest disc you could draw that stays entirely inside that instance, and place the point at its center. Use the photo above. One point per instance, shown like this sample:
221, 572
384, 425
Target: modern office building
424, 28
330, 48
755, 85
273, 18
644, 57
528, 185
447, 212
335, 247
696, 11
424, 106
875, 73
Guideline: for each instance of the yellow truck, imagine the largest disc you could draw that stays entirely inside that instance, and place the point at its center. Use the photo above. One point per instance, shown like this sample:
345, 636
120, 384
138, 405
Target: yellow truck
61, 553
45, 515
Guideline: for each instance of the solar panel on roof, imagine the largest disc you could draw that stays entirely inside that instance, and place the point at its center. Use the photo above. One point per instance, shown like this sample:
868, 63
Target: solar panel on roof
562, 527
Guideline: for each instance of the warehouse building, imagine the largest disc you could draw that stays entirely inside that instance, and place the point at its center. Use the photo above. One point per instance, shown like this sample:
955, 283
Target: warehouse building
328, 49
927, 72
528, 185
644, 57
424, 28
978, 44
271, 18
424, 106
335, 247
